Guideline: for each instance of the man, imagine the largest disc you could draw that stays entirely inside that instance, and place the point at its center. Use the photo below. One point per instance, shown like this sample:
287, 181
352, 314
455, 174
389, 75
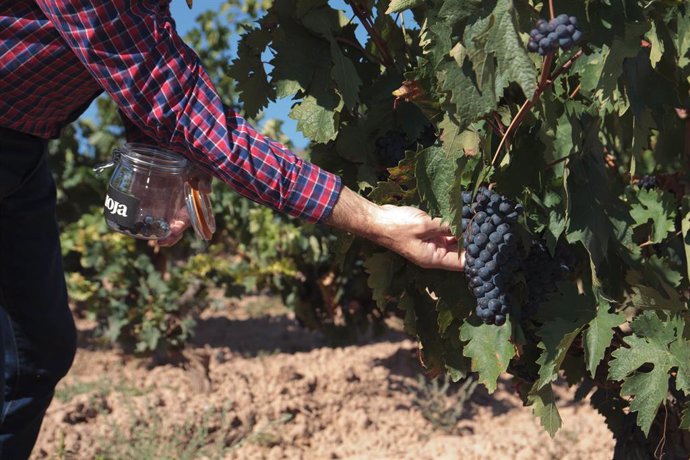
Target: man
56, 56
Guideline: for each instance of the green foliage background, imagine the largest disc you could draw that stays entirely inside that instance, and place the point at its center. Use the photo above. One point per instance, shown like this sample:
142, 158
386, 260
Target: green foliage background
567, 136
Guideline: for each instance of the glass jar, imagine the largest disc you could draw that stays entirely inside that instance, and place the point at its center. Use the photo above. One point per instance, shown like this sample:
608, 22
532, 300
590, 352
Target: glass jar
150, 189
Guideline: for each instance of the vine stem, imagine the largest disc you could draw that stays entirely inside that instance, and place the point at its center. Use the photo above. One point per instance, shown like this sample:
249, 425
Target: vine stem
541, 85
545, 80
555, 162
517, 119
551, 11
361, 49
365, 19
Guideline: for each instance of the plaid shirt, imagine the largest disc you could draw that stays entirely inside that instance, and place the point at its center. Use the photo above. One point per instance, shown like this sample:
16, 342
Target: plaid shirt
56, 56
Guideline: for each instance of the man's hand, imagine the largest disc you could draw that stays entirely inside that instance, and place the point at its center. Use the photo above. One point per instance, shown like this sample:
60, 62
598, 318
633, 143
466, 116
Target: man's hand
181, 221
408, 231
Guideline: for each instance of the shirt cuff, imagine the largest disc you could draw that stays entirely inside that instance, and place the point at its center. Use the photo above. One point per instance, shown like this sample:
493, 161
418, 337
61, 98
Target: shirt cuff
313, 194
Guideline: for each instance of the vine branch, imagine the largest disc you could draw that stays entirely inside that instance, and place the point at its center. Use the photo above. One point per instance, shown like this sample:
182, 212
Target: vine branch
365, 19
358, 46
545, 80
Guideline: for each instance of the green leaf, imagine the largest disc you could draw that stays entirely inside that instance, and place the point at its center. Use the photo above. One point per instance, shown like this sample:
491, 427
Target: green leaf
490, 350
685, 226
493, 45
685, 418
662, 297
382, 267
426, 325
659, 208
302, 61
564, 315
591, 206
249, 72
402, 5
683, 39
557, 336
598, 335
345, 76
455, 11
656, 344
436, 172
545, 408
316, 122
470, 103
657, 49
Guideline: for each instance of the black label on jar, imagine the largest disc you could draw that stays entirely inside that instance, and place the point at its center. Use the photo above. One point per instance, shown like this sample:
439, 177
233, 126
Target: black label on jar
120, 207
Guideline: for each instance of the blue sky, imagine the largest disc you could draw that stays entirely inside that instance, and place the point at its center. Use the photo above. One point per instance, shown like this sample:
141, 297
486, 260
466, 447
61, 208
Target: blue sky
184, 18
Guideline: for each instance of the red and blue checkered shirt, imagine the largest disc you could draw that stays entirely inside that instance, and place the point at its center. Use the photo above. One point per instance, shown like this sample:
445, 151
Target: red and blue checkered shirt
56, 56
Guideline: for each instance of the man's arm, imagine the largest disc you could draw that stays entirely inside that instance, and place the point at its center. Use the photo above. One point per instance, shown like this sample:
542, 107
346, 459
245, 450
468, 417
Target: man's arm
132, 49
408, 231
134, 52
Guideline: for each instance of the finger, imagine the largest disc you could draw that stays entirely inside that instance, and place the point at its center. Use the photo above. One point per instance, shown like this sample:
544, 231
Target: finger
449, 240
437, 227
177, 228
452, 261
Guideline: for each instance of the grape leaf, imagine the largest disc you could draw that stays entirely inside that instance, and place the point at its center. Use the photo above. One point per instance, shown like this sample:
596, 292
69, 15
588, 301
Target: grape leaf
470, 103
426, 325
656, 343
402, 5
249, 72
591, 206
545, 408
435, 172
657, 48
302, 61
685, 226
490, 350
316, 122
683, 40
564, 315
455, 11
660, 297
345, 76
493, 45
658, 207
598, 335
382, 267
685, 420
557, 336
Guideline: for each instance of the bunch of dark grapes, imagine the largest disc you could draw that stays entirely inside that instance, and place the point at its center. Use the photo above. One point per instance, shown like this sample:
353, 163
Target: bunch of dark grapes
561, 31
391, 148
648, 182
428, 136
542, 272
491, 257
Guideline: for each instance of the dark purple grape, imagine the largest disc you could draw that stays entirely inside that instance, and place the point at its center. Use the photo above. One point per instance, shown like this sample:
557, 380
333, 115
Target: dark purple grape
480, 239
546, 37
491, 257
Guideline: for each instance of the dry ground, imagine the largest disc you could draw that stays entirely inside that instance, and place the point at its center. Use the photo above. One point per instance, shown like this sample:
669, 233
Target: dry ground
256, 386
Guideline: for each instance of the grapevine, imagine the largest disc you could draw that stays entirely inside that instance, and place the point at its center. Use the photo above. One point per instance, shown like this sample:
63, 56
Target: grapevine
584, 273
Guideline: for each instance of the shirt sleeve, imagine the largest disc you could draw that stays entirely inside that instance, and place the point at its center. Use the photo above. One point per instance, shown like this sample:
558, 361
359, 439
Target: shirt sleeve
132, 49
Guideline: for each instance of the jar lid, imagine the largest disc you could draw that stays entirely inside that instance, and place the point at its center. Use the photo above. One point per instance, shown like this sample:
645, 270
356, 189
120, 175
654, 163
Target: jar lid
153, 157
200, 212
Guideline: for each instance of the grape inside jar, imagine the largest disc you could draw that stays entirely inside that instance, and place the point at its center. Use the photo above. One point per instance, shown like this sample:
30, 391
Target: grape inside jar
146, 191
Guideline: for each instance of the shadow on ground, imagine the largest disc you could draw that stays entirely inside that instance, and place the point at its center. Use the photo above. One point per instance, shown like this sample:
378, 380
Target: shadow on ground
271, 334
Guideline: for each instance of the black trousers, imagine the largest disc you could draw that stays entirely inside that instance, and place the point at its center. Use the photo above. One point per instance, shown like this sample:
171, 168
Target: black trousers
37, 332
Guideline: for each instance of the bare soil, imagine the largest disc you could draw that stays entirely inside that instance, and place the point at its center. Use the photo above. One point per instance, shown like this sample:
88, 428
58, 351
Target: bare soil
257, 386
